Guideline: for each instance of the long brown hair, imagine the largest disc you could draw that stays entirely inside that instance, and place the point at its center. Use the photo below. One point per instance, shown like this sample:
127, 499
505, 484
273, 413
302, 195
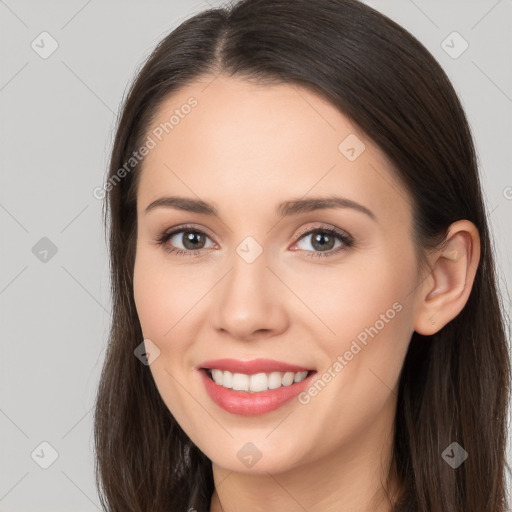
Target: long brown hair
454, 385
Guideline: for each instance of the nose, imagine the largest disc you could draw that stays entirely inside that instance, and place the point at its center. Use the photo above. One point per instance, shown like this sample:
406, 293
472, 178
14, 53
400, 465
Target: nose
249, 302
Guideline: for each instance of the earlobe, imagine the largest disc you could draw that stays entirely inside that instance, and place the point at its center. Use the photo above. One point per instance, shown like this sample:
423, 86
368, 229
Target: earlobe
453, 268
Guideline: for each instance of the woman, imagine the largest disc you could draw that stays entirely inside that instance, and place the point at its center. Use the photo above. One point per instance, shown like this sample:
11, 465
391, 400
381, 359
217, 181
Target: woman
305, 306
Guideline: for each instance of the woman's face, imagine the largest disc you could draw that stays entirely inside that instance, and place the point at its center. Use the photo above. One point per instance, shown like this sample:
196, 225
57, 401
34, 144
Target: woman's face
255, 281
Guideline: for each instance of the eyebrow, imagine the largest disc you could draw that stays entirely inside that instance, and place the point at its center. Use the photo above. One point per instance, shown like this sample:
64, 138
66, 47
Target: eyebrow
284, 209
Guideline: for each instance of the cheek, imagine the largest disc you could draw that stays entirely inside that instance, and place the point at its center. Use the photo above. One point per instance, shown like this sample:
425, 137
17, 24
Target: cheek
353, 297
163, 294
375, 325
160, 307
148, 299
371, 315
368, 309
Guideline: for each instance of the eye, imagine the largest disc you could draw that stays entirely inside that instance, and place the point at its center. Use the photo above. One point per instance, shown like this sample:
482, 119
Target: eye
324, 239
191, 239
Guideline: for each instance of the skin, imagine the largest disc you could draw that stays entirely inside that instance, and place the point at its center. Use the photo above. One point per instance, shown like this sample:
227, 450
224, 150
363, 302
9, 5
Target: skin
245, 148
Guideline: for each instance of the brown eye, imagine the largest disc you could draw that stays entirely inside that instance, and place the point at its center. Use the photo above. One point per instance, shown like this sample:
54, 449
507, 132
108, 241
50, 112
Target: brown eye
323, 241
191, 241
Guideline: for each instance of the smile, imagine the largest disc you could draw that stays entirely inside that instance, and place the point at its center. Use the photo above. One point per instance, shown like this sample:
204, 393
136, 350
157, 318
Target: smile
250, 388
257, 382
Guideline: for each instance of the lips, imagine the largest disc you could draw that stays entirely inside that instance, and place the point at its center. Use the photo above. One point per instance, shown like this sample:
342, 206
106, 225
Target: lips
251, 367
252, 404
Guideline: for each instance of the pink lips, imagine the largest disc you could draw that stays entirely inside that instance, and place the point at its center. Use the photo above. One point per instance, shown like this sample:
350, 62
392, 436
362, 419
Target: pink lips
251, 367
245, 403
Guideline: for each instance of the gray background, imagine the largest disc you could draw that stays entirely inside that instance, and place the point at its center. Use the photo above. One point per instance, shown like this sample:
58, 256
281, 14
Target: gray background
58, 116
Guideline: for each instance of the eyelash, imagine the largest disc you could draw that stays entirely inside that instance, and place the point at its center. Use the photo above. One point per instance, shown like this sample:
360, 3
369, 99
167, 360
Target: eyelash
346, 239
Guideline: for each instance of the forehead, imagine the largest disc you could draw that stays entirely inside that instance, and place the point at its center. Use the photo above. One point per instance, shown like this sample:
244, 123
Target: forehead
240, 143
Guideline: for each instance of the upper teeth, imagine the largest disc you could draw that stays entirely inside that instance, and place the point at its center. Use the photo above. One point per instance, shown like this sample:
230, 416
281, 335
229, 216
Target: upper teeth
256, 382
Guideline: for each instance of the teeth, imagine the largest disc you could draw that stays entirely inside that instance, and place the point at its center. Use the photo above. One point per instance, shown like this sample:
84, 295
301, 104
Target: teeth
256, 382
275, 380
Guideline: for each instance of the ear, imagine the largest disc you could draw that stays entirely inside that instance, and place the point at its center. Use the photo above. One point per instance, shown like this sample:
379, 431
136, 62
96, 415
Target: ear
445, 290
